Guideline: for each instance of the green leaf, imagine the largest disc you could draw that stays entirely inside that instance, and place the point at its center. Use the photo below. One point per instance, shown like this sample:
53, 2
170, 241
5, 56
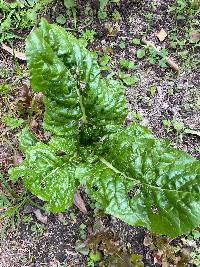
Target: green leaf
128, 79
136, 41
148, 183
109, 109
48, 74
102, 14
198, 103
48, 176
70, 4
127, 64
140, 53
26, 139
52, 51
104, 60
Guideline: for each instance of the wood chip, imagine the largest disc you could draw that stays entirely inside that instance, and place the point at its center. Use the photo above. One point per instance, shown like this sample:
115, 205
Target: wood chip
169, 60
15, 53
79, 203
194, 132
162, 34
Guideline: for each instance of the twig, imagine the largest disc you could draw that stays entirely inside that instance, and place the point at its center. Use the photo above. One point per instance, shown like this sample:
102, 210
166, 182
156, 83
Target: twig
169, 61
13, 52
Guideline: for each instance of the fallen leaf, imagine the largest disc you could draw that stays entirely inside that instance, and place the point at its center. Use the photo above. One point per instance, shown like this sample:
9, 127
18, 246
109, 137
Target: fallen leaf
28, 209
162, 34
148, 241
13, 52
158, 257
194, 36
61, 217
79, 203
42, 218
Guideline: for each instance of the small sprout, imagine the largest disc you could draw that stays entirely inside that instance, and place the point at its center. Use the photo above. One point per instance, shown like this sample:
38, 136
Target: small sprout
38, 229
116, 15
148, 16
167, 124
198, 103
102, 14
122, 45
152, 90
12, 122
61, 19
136, 41
95, 256
140, 53
27, 218
72, 216
127, 64
5, 88
104, 62
163, 63
88, 36
82, 229
178, 126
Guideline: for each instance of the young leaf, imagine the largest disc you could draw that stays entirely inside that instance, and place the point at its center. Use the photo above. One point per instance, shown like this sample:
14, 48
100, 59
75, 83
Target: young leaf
69, 4
140, 53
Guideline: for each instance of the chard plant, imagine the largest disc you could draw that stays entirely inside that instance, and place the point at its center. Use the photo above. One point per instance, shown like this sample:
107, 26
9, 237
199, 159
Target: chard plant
133, 176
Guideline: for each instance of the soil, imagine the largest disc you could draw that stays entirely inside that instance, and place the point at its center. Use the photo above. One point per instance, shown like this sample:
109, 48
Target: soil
174, 97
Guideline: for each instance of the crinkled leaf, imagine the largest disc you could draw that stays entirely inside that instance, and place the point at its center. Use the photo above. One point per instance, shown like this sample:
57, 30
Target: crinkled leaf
49, 75
60, 66
48, 175
144, 181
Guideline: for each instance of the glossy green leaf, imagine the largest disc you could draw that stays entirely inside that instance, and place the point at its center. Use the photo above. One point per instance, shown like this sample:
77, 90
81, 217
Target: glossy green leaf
48, 175
60, 63
144, 181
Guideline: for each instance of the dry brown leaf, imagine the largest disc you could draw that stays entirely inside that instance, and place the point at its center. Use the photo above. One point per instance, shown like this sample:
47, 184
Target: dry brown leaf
194, 36
148, 241
162, 34
42, 218
158, 257
79, 203
15, 53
